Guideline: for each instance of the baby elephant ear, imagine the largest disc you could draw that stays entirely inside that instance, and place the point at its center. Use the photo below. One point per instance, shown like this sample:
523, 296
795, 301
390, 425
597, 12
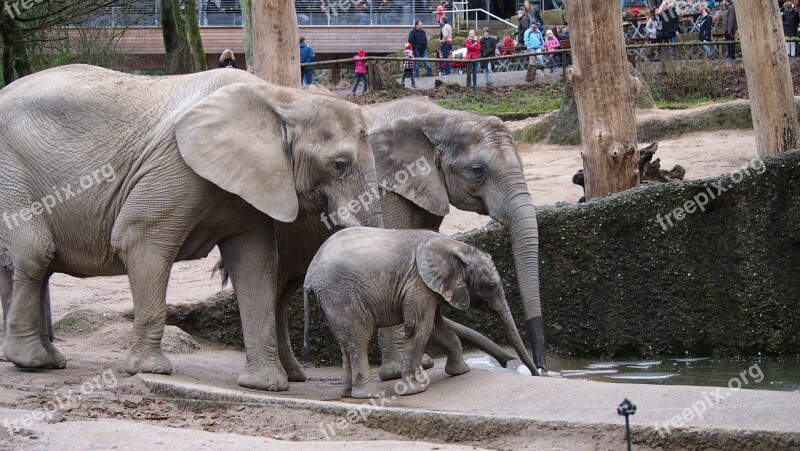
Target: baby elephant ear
441, 267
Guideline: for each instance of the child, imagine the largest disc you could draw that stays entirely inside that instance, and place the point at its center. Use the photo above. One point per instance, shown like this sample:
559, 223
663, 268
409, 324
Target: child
408, 66
361, 71
551, 43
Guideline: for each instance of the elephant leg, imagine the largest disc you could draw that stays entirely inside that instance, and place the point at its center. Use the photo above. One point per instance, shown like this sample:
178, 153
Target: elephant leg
294, 370
475, 339
347, 374
418, 325
148, 273
47, 314
391, 341
26, 342
363, 384
6, 289
252, 261
450, 342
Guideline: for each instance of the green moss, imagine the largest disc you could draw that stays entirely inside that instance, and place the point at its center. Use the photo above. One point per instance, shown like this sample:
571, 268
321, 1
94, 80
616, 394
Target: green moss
615, 283
513, 101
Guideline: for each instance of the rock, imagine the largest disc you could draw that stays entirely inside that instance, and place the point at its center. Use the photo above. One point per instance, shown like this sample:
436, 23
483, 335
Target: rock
176, 341
132, 401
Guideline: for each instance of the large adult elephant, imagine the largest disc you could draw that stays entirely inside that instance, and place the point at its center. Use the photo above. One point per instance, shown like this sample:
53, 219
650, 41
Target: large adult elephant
477, 168
106, 174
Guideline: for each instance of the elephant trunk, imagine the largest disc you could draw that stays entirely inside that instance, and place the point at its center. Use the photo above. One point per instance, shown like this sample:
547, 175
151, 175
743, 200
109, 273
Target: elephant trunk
520, 219
516, 340
478, 340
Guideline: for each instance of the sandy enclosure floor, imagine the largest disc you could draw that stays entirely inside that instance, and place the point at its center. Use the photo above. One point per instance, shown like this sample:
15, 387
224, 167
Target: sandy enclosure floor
548, 169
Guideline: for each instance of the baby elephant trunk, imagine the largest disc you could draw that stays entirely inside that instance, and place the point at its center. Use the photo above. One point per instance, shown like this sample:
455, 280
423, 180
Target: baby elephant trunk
516, 340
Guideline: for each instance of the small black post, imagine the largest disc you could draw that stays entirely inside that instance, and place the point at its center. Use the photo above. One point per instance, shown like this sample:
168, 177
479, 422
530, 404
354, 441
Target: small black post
469, 73
627, 408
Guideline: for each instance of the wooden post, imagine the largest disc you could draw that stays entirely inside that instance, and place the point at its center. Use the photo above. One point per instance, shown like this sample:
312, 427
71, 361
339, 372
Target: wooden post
469, 74
276, 42
769, 79
371, 74
605, 94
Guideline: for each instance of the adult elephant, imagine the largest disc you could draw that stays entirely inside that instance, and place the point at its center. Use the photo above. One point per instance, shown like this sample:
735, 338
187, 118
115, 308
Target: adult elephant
477, 168
108, 174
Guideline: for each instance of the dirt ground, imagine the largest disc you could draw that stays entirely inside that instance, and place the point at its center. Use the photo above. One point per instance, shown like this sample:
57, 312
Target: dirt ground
99, 343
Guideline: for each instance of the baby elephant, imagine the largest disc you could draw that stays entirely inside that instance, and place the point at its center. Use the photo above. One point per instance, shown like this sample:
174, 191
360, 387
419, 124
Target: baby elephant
366, 278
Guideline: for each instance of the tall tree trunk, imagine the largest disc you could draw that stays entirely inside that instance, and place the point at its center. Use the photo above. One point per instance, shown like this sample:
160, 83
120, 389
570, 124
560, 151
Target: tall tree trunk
176, 44
247, 25
193, 33
769, 79
276, 42
605, 94
7, 35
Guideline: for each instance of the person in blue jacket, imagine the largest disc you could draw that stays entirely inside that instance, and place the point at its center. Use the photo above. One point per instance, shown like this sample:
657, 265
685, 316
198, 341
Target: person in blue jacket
534, 41
306, 56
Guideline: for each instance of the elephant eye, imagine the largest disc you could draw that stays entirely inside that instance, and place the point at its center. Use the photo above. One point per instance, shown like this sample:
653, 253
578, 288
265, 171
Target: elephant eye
491, 287
476, 171
341, 165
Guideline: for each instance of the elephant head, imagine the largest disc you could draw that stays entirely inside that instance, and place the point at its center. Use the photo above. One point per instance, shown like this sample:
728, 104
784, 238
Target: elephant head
477, 168
283, 151
466, 277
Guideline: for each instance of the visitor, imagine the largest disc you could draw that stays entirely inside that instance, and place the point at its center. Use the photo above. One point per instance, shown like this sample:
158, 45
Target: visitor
534, 42
306, 56
524, 24
654, 31
731, 27
408, 66
361, 71
227, 59
440, 13
446, 42
362, 9
791, 20
551, 44
533, 14
473, 52
564, 34
419, 42
488, 50
704, 26
384, 10
670, 22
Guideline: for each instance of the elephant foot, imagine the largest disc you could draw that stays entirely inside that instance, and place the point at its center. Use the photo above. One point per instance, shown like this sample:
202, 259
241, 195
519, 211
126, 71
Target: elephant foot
263, 378
295, 374
32, 353
390, 371
411, 386
147, 362
368, 390
456, 366
426, 362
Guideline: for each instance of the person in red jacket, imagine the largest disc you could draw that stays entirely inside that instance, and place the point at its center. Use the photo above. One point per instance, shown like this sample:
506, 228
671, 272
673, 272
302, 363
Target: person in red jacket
473, 52
361, 71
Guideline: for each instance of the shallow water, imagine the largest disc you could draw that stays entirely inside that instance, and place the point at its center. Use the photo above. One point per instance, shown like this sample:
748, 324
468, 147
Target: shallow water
760, 373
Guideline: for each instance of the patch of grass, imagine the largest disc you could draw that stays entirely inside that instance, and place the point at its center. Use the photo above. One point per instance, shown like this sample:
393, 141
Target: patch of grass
689, 102
506, 101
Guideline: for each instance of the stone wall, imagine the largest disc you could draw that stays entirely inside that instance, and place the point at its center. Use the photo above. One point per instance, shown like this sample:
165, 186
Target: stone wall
723, 281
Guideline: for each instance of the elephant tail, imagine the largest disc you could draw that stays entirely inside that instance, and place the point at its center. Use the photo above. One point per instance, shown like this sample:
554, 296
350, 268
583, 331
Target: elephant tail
220, 266
306, 350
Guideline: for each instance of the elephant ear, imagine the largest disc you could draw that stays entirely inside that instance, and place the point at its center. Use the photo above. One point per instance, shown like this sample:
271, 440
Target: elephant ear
236, 138
406, 162
440, 263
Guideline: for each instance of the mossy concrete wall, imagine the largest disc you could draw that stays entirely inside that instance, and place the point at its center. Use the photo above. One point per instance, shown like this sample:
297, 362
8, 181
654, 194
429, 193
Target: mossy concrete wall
724, 281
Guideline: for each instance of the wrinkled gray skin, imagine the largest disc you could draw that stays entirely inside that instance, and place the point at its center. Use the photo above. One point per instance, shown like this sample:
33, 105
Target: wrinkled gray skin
477, 168
218, 158
367, 278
